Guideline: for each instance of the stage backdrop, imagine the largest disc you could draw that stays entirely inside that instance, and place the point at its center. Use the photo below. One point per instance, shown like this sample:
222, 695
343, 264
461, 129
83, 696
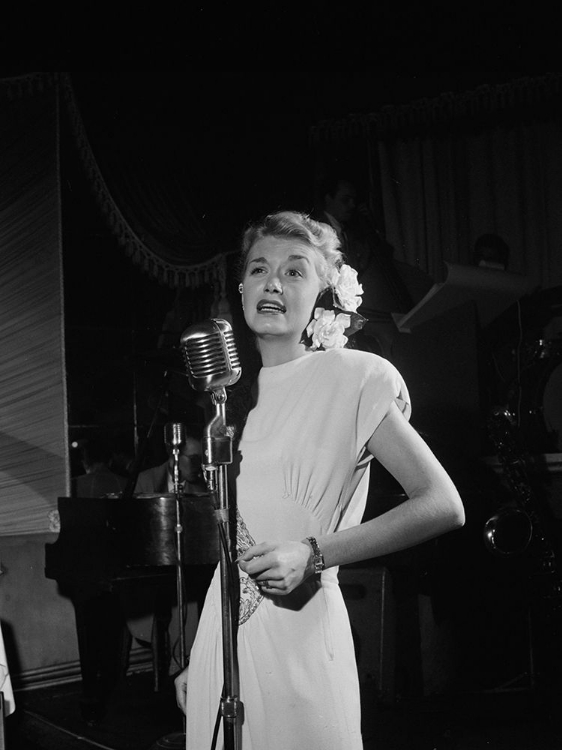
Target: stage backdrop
442, 172
33, 442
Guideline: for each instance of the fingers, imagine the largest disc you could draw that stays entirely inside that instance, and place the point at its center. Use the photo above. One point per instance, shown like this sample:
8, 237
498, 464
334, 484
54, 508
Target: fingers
256, 564
277, 567
267, 585
257, 550
180, 685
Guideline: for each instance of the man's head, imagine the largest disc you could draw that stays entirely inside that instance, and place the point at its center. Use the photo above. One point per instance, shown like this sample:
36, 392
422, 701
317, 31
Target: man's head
340, 200
189, 460
95, 453
491, 251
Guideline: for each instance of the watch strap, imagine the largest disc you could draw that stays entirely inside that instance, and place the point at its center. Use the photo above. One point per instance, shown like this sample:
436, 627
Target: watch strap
317, 556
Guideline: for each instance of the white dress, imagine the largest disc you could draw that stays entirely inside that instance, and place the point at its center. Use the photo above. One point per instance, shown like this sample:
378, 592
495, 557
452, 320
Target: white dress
303, 472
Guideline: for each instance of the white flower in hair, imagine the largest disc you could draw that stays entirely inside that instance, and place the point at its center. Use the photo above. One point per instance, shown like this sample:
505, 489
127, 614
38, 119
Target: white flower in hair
346, 288
326, 329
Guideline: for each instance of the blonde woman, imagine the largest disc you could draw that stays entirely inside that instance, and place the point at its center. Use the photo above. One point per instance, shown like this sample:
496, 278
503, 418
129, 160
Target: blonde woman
321, 412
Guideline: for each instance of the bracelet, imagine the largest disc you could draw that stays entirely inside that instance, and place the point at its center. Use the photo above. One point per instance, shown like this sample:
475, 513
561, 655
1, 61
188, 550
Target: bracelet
317, 556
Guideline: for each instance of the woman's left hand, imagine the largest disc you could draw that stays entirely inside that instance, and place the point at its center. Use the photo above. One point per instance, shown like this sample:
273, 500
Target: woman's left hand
277, 567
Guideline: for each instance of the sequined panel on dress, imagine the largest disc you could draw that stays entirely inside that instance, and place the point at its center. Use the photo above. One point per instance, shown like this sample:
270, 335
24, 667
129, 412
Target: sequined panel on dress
250, 594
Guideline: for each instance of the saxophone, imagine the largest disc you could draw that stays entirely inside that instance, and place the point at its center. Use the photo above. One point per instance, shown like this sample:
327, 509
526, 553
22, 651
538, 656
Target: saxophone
515, 529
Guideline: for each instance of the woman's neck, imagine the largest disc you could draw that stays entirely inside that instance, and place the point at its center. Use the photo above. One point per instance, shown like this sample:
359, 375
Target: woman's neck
274, 352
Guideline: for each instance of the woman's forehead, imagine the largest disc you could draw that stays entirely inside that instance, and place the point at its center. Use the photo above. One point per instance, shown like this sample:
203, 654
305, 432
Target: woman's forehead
281, 248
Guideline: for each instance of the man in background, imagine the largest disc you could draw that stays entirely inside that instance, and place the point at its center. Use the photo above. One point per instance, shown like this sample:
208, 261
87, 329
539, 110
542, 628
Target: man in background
160, 479
149, 607
99, 480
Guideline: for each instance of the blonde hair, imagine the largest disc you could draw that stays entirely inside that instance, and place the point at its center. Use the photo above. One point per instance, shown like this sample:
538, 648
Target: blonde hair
293, 225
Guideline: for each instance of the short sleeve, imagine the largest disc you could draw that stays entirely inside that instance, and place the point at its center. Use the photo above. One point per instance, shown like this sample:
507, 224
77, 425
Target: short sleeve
382, 385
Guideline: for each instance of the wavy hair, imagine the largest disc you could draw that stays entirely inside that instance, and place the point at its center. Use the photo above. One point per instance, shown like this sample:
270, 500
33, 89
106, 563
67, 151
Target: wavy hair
293, 225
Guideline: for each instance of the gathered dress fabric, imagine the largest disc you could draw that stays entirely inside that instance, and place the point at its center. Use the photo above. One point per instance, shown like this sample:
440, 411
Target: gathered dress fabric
303, 471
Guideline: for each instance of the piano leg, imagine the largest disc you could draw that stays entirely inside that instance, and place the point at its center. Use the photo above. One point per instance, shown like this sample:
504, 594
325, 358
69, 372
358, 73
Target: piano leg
100, 629
161, 649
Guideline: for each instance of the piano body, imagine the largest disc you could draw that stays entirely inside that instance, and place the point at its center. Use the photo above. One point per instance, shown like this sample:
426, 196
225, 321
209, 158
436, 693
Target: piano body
105, 547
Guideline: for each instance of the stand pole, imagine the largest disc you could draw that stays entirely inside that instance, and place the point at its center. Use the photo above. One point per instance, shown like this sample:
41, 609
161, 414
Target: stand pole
176, 740
217, 452
180, 589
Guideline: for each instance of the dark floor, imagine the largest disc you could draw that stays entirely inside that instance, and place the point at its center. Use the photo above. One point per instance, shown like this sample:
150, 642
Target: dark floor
138, 718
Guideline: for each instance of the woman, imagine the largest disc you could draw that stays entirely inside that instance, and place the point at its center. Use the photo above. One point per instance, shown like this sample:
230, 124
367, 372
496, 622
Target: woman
321, 413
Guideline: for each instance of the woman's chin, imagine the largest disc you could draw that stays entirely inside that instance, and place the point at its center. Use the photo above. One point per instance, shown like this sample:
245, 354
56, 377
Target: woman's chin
272, 325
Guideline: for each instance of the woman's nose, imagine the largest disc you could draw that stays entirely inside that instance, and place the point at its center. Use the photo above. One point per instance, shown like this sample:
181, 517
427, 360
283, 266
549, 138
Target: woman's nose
273, 284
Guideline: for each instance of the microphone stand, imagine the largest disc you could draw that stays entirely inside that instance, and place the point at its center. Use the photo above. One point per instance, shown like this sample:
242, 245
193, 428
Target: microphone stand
217, 452
179, 554
176, 740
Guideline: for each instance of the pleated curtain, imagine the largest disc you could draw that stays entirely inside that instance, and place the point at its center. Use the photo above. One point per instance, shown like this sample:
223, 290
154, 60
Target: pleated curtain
33, 441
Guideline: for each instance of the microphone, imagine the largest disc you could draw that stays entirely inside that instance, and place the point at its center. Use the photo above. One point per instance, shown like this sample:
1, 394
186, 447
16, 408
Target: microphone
210, 355
174, 435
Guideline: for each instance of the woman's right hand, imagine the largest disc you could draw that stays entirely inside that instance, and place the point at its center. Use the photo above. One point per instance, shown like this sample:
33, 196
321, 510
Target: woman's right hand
180, 684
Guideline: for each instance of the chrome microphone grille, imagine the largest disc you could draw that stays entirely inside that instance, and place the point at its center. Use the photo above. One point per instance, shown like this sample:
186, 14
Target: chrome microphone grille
210, 355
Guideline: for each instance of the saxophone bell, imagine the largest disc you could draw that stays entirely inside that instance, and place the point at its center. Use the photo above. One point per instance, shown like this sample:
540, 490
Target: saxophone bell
508, 532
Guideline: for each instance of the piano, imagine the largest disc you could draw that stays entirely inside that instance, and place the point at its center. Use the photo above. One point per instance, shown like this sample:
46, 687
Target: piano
108, 545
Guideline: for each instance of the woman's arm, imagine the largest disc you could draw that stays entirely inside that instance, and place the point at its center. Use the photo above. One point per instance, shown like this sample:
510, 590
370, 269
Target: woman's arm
433, 507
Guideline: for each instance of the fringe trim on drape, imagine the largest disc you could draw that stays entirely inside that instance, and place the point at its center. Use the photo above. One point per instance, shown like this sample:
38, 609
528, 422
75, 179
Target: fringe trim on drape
485, 100
191, 276
29, 84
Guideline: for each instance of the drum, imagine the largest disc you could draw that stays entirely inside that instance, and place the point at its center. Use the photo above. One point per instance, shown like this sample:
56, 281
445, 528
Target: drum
146, 530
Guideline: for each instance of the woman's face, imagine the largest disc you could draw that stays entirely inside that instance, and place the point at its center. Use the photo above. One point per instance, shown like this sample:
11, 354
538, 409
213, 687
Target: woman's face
281, 285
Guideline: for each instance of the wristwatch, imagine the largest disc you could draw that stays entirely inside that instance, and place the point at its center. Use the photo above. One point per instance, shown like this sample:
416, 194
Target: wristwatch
317, 556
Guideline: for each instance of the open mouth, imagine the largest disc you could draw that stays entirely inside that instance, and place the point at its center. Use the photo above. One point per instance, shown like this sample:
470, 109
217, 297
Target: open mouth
265, 306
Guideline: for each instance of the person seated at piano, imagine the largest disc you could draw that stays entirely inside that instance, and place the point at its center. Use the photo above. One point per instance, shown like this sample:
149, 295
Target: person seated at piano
99, 480
160, 479
145, 604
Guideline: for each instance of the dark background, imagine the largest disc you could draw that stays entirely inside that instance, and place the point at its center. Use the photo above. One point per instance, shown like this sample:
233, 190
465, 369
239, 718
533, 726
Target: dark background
236, 145
240, 142
241, 145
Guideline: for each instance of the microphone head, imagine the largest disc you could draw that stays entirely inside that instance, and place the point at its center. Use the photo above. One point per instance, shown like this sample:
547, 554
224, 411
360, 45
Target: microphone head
174, 435
210, 355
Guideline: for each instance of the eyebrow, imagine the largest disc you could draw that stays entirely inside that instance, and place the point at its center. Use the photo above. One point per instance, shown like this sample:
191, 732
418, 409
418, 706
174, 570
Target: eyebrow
291, 257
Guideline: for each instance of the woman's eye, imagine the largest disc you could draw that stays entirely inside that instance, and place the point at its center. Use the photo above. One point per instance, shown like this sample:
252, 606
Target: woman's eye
294, 272
255, 270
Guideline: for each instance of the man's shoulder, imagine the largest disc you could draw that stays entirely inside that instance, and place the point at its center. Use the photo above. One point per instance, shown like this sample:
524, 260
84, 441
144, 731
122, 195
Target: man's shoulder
154, 470
149, 479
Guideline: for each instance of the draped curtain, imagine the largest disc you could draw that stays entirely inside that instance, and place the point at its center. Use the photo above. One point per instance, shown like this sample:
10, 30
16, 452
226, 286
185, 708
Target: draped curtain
33, 441
448, 170
138, 178
146, 205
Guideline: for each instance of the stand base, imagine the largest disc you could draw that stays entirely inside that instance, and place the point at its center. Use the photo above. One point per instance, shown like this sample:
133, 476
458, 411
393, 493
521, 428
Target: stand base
170, 742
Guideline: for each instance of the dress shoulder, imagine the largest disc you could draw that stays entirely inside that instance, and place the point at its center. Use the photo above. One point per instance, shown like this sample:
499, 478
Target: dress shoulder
376, 377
